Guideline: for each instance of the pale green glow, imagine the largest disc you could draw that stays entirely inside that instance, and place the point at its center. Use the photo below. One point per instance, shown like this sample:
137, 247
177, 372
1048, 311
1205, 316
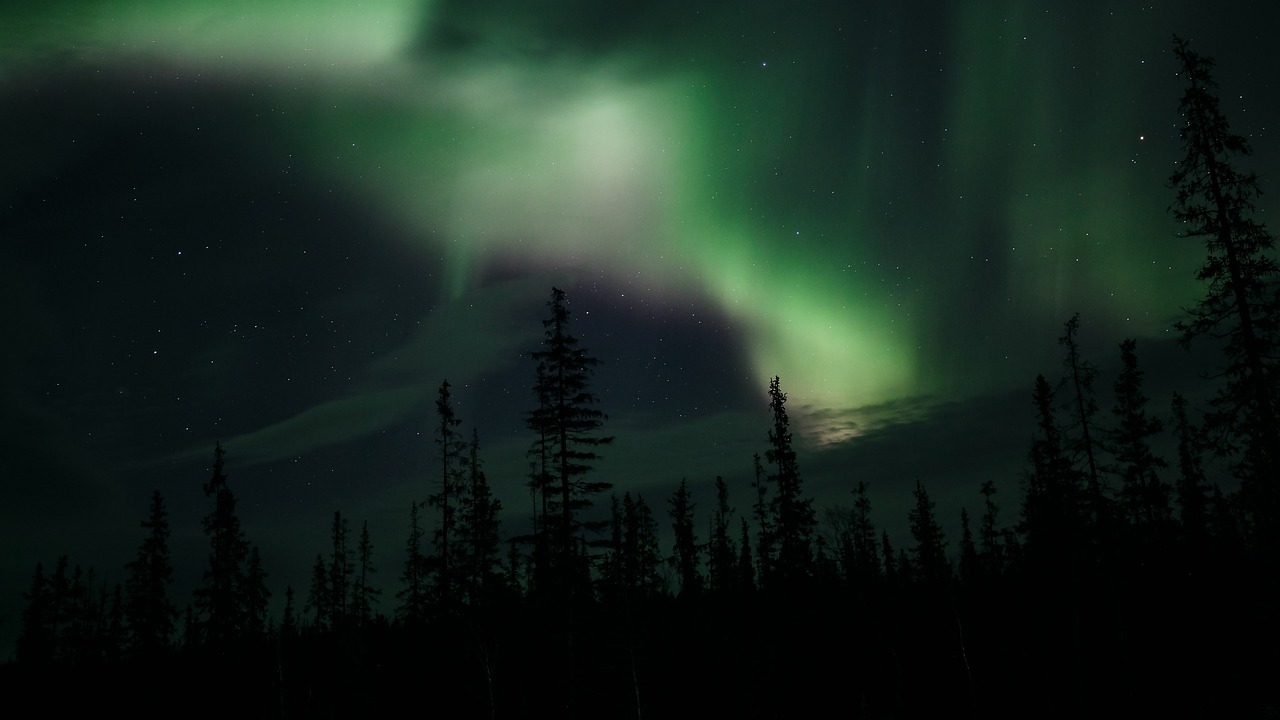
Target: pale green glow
666, 178
302, 38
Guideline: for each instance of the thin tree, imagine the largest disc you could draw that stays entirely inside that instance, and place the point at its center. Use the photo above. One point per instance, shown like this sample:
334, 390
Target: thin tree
685, 552
793, 515
413, 595
219, 599
478, 527
364, 596
1082, 408
1144, 496
721, 560
1193, 490
151, 616
451, 446
340, 571
568, 425
1241, 308
930, 550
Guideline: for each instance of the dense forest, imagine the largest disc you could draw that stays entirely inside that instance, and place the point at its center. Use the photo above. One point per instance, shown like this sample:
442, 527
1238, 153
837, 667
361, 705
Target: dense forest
1121, 583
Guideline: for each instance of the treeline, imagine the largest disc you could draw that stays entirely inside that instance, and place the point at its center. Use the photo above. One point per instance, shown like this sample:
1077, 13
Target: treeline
1123, 582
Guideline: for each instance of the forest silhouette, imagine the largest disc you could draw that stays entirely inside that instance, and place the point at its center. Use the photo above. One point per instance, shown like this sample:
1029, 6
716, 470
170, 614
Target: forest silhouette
1122, 584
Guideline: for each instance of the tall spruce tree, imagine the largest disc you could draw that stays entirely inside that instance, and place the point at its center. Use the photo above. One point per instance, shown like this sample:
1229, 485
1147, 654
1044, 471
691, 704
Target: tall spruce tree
866, 558
1241, 309
479, 528
220, 600
340, 571
1051, 508
413, 595
685, 552
793, 517
451, 447
1193, 490
150, 614
568, 425
364, 596
1082, 407
721, 556
1144, 497
930, 550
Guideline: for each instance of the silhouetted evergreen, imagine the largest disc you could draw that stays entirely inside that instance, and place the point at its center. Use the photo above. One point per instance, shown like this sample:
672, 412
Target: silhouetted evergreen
792, 513
451, 448
684, 554
220, 602
364, 595
1144, 496
929, 555
414, 594
150, 614
1215, 201
568, 427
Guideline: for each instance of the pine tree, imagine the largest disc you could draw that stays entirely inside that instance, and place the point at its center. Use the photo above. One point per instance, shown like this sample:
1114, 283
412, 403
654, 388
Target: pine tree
220, 599
764, 525
721, 555
152, 618
413, 595
685, 553
929, 553
866, 560
256, 597
641, 559
746, 570
289, 620
479, 528
992, 553
340, 571
568, 427
1193, 490
1051, 503
451, 446
319, 597
970, 564
793, 516
1144, 496
35, 646
363, 595
1214, 201
1082, 407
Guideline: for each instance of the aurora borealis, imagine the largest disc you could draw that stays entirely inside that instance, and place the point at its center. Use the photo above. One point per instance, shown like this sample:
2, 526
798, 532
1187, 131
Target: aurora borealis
281, 225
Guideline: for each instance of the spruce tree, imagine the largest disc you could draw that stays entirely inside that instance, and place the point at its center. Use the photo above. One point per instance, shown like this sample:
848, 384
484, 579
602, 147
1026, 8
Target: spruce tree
220, 599
1241, 309
929, 553
1144, 496
1082, 408
150, 614
256, 597
35, 645
478, 528
992, 550
685, 552
793, 517
721, 556
340, 571
413, 595
319, 596
866, 559
451, 447
568, 425
364, 595
1193, 490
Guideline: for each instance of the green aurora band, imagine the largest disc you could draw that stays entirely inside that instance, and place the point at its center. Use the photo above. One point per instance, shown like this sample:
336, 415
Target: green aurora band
808, 208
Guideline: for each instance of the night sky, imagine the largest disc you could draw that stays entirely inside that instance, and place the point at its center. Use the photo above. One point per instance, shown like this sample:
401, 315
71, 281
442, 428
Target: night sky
281, 225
